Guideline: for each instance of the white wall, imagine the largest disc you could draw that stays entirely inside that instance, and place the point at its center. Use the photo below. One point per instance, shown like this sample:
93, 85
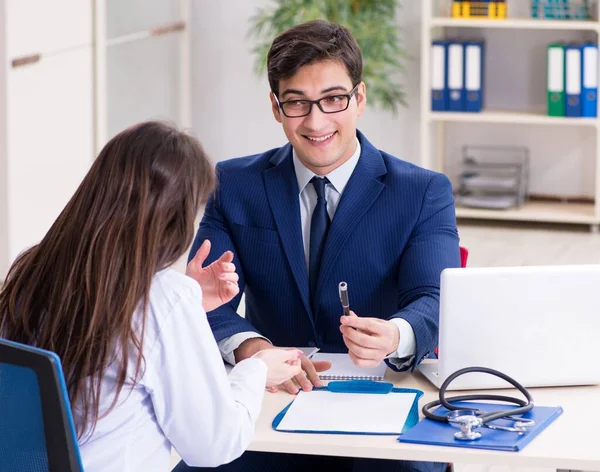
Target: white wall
231, 111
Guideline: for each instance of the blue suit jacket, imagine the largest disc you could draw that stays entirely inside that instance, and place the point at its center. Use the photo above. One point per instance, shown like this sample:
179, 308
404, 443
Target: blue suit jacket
393, 232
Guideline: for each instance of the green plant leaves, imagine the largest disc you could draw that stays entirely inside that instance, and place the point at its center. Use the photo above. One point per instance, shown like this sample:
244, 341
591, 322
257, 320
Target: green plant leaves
373, 24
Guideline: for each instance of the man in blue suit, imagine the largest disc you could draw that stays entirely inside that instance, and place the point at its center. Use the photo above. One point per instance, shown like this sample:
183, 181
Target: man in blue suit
325, 208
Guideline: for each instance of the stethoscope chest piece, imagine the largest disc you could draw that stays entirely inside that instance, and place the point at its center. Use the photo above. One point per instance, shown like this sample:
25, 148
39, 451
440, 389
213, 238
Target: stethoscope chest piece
466, 421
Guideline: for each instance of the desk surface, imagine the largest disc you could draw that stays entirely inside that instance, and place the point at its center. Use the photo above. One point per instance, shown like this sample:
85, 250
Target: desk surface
571, 442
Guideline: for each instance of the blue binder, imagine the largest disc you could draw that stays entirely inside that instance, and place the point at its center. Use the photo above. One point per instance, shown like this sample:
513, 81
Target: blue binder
365, 387
442, 434
589, 80
456, 76
439, 75
573, 69
473, 81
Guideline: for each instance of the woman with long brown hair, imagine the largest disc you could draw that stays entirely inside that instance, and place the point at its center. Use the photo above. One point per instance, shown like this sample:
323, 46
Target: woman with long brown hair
143, 370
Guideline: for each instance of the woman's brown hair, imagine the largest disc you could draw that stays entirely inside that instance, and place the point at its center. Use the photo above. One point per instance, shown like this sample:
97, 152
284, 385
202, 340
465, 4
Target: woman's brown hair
75, 293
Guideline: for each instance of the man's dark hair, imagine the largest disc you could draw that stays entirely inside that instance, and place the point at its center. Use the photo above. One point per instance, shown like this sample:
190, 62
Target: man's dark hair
311, 42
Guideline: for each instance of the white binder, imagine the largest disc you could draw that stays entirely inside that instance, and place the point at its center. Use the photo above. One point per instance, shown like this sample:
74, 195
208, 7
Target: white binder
573, 80
473, 96
456, 70
439, 93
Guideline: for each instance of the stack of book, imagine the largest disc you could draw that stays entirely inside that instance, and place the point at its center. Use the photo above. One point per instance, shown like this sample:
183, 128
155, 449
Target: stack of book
493, 177
561, 9
491, 9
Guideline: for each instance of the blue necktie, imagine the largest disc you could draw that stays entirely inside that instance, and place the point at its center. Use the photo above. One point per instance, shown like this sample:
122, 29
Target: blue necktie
318, 233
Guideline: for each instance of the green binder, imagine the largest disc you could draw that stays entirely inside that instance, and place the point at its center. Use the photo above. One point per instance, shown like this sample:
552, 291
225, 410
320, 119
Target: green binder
556, 79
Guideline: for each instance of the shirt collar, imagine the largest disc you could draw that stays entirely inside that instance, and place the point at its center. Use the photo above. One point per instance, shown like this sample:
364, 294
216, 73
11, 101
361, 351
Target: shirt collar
338, 177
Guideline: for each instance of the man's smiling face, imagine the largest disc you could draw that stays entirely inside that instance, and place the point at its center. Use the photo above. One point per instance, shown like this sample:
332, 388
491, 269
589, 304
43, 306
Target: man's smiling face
322, 141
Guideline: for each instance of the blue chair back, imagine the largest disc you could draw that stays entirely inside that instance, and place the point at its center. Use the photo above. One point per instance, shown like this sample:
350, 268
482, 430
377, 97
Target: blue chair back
37, 433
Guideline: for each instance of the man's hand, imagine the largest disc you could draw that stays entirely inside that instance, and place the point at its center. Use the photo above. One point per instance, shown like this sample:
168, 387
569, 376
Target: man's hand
218, 281
306, 379
369, 340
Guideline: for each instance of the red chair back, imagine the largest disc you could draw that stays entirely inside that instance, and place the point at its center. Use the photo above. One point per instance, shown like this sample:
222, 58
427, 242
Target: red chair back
464, 255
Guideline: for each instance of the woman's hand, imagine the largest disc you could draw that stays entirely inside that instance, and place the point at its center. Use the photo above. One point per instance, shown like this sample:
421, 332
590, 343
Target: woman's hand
283, 364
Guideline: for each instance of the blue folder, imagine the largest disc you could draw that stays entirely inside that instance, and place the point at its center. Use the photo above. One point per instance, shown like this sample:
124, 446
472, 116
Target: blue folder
360, 386
442, 434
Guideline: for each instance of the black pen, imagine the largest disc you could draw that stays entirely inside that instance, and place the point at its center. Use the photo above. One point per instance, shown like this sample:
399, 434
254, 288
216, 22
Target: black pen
343, 291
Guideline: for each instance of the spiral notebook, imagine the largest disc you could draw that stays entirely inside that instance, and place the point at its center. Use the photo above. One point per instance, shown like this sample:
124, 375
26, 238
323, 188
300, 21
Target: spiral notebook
342, 368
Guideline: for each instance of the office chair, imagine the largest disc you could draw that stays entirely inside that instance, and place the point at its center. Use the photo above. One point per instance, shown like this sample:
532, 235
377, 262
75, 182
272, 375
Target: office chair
464, 255
37, 433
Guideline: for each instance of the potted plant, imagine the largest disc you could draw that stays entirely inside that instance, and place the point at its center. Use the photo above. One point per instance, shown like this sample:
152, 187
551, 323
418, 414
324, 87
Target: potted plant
373, 24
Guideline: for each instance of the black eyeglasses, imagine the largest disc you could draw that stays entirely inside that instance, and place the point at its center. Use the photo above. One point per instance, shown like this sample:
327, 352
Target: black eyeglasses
297, 108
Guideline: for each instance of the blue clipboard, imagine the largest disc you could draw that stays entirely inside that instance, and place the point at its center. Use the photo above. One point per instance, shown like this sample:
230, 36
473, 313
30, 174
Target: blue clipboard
365, 387
442, 434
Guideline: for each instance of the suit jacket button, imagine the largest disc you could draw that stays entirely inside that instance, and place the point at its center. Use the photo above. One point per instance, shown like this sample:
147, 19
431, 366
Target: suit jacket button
311, 344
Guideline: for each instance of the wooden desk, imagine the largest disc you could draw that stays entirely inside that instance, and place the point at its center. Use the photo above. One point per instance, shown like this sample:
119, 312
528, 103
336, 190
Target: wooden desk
571, 442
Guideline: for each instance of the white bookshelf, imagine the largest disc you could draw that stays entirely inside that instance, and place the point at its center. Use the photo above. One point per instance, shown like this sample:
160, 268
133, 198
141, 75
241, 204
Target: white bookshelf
515, 23
555, 212
510, 117
435, 126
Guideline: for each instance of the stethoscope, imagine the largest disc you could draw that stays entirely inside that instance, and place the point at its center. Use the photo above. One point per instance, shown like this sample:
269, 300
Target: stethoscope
469, 419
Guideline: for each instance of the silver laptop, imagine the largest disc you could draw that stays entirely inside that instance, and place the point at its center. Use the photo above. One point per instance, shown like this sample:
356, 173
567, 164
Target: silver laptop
539, 325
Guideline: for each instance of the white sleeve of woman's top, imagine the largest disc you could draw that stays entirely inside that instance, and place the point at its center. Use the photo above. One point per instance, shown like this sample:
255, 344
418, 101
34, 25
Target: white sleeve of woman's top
207, 416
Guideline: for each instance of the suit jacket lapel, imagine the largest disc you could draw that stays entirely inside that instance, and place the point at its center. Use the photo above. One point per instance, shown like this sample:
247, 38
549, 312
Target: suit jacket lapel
282, 192
360, 193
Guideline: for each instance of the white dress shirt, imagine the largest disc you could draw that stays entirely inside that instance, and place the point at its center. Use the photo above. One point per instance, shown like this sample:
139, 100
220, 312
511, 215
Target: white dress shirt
338, 179
184, 398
